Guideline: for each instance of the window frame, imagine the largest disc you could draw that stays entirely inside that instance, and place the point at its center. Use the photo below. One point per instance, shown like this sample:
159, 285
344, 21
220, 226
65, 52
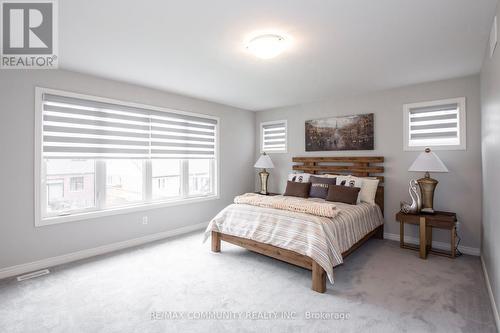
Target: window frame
273, 122
100, 174
462, 124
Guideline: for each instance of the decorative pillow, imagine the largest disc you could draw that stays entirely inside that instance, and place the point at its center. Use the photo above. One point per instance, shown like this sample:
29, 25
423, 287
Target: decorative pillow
345, 194
319, 186
295, 189
368, 189
350, 181
299, 177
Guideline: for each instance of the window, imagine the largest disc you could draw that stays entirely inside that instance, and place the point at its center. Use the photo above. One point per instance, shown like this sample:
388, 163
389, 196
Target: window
99, 157
124, 182
440, 125
273, 136
76, 184
65, 190
166, 179
200, 182
55, 193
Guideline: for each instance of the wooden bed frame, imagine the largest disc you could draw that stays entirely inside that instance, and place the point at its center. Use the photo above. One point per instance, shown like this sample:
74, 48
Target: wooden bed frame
357, 166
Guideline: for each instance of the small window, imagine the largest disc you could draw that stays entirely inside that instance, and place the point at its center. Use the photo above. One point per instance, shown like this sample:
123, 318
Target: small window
55, 192
76, 184
273, 136
437, 124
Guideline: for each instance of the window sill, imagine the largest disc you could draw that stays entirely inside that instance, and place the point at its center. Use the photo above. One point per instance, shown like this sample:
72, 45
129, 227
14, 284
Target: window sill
422, 148
274, 152
121, 210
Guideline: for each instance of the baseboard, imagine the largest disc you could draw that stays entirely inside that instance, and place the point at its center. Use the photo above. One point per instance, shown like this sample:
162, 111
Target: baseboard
473, 251
490, 293
74, 256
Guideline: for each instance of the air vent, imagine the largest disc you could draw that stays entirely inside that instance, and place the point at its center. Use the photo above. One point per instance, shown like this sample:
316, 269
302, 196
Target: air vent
33, 275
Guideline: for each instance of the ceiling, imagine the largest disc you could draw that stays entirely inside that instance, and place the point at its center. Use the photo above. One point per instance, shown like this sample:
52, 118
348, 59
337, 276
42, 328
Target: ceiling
339, 47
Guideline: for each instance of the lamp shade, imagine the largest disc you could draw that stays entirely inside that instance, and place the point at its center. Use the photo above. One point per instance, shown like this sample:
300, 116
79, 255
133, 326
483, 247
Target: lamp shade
428, 162
264, 162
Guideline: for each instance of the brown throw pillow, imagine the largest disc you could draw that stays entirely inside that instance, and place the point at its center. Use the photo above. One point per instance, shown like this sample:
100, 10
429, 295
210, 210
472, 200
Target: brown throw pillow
345, 194
295, 189
320, 185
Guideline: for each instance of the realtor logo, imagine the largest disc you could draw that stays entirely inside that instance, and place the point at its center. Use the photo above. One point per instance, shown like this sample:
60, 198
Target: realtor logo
29, 37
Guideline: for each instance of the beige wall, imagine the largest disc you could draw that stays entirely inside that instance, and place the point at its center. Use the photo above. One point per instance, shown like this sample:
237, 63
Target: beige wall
459, 190
21, 242
490, 104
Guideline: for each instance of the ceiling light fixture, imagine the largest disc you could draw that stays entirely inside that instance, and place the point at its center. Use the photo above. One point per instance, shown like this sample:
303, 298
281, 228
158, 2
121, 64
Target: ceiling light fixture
267, 46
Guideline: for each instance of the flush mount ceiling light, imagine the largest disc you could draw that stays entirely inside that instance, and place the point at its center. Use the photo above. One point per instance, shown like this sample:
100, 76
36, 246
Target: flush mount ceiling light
267, 46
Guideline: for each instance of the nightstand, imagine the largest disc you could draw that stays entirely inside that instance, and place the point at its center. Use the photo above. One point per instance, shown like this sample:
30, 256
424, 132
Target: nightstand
426, 222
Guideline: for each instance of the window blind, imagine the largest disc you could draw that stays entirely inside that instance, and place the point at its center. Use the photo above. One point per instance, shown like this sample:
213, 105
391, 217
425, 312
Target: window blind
84, 128
274, 136
434, 125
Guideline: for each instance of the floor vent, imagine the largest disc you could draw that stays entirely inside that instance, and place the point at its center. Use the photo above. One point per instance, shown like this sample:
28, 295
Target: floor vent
33, 275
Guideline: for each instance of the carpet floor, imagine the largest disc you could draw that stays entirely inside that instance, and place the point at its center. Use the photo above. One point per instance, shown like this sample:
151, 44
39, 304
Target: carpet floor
178, 285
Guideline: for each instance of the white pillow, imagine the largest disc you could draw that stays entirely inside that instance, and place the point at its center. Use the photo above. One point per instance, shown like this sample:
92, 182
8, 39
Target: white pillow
368, 189
299, 177
321, 175
329, 175
351, 182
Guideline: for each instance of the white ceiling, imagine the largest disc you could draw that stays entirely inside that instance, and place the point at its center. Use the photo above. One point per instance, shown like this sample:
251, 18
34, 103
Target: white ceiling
340, 47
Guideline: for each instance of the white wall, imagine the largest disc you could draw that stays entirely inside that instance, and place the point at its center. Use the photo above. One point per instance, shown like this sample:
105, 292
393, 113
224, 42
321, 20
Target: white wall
490, 112
459, 190
21, 242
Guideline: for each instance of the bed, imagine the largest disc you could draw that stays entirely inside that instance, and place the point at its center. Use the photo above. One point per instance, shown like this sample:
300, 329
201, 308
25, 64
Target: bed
316, 243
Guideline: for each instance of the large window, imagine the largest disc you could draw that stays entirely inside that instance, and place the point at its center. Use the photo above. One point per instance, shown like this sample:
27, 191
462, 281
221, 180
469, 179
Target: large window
440, 125
98, 157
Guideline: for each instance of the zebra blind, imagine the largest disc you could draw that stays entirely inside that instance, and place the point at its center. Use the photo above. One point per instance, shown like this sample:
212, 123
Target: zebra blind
434, 124
274, 136
85, 128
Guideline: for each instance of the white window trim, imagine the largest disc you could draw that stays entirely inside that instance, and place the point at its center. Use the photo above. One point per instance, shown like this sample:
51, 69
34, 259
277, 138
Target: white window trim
462, 119
91, 214
262, 124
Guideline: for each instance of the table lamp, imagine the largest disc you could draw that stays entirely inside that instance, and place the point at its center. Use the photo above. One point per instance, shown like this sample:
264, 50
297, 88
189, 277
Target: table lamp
264, 162
427, 162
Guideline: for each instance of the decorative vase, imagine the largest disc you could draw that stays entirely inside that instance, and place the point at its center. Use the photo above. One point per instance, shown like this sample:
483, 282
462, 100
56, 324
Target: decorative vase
416, 200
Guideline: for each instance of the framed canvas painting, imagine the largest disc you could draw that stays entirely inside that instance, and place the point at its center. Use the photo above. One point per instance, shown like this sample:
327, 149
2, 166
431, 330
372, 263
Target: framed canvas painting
340, 133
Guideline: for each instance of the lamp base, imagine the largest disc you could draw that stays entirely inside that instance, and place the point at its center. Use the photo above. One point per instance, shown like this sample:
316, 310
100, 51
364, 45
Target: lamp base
427, 187
264, 175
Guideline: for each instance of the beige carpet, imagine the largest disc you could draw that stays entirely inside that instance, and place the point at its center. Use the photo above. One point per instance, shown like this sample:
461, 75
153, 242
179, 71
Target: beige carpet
170, 286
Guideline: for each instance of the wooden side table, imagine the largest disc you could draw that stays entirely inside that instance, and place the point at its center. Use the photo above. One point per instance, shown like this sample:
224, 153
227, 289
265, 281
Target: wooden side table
440, 220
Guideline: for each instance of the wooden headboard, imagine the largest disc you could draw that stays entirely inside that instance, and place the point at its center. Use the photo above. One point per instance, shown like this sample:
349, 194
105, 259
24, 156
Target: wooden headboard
361, 166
